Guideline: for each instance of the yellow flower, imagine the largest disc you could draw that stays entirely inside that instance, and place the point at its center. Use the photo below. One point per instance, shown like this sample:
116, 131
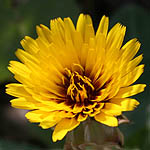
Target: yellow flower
70, 73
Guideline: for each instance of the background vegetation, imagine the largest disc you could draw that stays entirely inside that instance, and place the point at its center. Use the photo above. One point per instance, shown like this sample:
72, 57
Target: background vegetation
19, 18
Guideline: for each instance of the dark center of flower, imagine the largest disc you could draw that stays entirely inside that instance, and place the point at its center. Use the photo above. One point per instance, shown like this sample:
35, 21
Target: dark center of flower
80, 94
79, 88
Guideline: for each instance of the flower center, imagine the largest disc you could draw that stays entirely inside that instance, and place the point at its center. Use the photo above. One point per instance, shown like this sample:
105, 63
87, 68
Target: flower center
79, 87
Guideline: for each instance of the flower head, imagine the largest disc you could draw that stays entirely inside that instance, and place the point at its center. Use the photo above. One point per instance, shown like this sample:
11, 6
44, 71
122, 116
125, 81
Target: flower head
70, 73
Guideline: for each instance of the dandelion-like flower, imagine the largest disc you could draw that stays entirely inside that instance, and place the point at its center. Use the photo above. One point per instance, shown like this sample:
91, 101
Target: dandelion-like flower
70, 73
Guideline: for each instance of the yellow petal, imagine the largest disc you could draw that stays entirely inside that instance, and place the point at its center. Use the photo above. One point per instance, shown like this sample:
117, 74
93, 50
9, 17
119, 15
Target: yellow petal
17, 90
30, 45
82, 25
103, 26
77, 108
34, 116
51, 119
112, 109
25, 56
104, 93
106, 119
82, 117
44, 33
72, 54
69, 28
50, 104
100, 44
43, 48
103, 79
131, 90
23, 80
130, 49
89, 33
84, 54
57, 30
115, 37
127, 104
22, 103
64, 126
115, 87
97, 67
132, 76
91, 56
48, 124
126, 68
19, 68
78, 41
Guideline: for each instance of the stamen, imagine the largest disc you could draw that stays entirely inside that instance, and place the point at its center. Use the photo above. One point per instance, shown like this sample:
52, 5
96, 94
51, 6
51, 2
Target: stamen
79, 87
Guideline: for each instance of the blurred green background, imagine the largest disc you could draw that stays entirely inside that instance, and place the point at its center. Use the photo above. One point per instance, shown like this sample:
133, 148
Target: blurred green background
19, 18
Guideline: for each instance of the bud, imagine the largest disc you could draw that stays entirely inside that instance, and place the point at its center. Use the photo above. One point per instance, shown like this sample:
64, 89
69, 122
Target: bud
91, 135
